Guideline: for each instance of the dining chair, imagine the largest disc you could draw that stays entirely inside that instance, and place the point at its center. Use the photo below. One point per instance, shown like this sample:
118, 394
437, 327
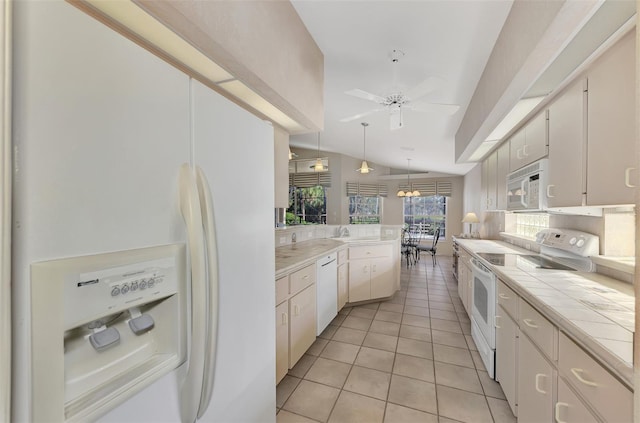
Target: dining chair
430, 249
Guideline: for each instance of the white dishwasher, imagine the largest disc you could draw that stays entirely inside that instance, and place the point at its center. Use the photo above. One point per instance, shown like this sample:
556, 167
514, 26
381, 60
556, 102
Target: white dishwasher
326, 290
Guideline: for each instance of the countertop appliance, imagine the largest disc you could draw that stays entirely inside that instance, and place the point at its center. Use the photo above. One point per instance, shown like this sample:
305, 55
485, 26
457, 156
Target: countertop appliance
326, 290
526, 187
112, 146
561, 249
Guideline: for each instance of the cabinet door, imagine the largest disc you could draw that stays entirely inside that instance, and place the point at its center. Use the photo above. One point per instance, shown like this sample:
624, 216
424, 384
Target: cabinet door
611, 126
382, 277
566, 146
282, 340
302, 323
516, 146
535, 384
490, 167
343, 285
569, 408
501, 177
535, 143
506, 356
462, 283
359, 280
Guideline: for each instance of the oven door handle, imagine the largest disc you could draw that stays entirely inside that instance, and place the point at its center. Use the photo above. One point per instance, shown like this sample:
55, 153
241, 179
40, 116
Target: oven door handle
476, 268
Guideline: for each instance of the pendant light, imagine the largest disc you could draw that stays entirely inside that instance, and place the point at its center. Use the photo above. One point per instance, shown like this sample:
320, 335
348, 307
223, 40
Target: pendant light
318, 166
364, 167
408, 193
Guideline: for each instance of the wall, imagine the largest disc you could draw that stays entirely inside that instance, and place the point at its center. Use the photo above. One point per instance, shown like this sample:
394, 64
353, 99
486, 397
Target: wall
281, 168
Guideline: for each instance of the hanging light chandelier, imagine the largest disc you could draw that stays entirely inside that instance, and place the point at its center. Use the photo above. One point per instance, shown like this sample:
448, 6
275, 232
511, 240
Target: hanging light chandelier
319, 166
408, 193
364, 167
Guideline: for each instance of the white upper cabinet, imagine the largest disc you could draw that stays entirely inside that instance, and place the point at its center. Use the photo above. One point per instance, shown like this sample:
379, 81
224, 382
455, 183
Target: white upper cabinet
501, 177
530, 143
567, 148
489, 180
611, 121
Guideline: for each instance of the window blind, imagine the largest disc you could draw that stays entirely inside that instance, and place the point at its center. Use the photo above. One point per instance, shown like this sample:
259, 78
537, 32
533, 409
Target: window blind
442, 188
366, 190
308, 180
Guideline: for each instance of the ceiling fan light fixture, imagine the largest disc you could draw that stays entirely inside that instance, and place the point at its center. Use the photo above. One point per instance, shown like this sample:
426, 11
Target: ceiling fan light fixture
364, 167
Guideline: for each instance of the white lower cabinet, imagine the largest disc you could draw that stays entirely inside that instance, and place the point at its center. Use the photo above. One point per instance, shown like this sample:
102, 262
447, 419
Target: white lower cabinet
302, 323
536, 379
343, 285
371, 272
569, 408
282, 340
507, 356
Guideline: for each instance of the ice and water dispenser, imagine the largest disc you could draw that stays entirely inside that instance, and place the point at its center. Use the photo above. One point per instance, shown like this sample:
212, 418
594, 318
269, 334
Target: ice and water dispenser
104, 327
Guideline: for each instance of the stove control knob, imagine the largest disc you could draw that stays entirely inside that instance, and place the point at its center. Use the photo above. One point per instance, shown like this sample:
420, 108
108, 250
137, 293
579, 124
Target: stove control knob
573, 240
580, 243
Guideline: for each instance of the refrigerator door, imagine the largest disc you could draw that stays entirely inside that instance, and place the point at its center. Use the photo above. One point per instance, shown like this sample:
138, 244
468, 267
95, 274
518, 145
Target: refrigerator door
234, 149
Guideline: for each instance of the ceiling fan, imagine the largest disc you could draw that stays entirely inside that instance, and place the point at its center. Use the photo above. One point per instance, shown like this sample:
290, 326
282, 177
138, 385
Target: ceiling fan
397, 101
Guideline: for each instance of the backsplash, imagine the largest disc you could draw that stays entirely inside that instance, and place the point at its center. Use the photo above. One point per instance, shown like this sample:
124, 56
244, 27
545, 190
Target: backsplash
284, 236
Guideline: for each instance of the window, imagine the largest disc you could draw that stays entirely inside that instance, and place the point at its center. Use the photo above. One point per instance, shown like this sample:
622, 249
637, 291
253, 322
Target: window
427, 213
528, 225
307, 205
364, 209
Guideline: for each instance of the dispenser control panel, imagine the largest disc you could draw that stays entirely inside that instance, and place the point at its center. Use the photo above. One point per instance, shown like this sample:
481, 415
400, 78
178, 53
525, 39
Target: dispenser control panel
110, 290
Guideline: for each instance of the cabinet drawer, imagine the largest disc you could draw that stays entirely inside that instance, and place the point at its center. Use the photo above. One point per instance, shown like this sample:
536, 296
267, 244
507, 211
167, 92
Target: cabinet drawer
343, 256
541, 331
302, 278
612, 400
507, 299
370, 251
282, 289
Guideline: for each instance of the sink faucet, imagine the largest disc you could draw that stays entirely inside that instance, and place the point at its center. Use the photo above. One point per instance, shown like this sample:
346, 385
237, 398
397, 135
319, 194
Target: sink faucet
293, 237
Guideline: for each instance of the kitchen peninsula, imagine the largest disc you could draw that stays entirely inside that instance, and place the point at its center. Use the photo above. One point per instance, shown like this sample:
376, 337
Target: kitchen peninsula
368, 268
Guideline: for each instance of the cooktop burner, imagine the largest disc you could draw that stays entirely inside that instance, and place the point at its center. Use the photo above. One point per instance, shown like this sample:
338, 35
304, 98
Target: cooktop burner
523, 260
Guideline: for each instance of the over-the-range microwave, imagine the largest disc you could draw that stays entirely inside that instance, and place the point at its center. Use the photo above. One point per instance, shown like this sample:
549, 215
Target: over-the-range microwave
526, 187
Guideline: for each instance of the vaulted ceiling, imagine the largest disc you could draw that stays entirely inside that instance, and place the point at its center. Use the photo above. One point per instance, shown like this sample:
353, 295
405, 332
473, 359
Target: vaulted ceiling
448, 40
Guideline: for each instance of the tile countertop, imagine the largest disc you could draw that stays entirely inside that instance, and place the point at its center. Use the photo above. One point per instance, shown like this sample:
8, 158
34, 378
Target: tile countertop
296, 255
596, 311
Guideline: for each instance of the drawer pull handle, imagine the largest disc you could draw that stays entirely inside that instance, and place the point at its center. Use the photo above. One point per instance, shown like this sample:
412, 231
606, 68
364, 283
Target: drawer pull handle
503, 296
627, 177
305, 277
530, 323
577, 372
538, 389
285, 319
549, 195
558, 405
496, 322
296, 310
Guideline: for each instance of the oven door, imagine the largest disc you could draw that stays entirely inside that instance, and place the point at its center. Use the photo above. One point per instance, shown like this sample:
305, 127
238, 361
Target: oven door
484, 301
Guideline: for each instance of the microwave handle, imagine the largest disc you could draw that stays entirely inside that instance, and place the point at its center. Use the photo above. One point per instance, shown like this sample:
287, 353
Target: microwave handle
523, 200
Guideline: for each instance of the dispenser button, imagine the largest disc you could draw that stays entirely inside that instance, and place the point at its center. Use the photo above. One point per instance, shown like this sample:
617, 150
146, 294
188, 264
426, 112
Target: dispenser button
115, 291
573, 240
151, 283
134, 285
580, 243
105, 339
141, 324
143, 284
124, 289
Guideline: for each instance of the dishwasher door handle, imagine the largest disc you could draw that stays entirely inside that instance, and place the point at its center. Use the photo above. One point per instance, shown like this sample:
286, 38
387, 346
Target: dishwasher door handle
327, 263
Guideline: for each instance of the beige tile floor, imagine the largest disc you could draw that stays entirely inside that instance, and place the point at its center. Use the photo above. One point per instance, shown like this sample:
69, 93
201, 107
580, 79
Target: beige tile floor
408, 359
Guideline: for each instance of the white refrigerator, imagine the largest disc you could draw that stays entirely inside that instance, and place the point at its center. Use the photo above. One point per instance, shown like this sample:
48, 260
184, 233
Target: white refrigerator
101, 129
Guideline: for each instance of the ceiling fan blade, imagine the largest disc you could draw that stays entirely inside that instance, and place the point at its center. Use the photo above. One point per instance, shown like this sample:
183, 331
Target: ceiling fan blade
365, 95
425, 87
448, 109
360, 115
